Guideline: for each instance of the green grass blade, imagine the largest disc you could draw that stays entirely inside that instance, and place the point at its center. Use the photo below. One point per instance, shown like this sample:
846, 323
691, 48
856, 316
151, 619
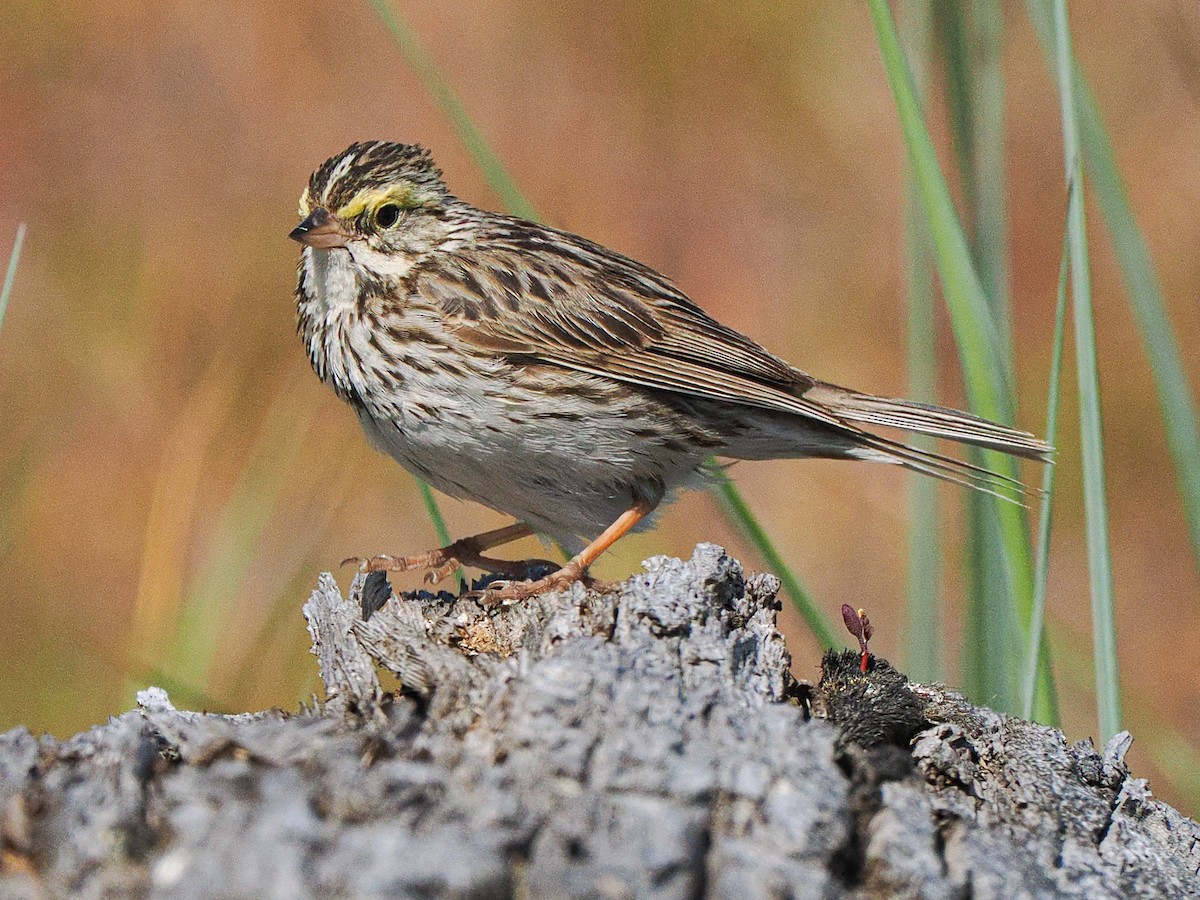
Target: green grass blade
952, 43
237, 536
493, 170
971, 317
18, 475
439, 522
990, 660
1176, 399
988, 384
1042, 569
924, 639
968, 39
988, 185
1092, 441
434, 81
14, 258
993, 648
986, 209
739, 512
435, 514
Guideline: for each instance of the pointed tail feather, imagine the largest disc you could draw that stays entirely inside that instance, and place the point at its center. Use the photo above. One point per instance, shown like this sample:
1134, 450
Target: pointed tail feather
926, 418
946, 468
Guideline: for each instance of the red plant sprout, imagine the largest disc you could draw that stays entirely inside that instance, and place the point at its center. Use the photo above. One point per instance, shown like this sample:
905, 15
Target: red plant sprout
859, 625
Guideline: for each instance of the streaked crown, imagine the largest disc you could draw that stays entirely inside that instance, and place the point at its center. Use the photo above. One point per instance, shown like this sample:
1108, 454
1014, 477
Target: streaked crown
371, 170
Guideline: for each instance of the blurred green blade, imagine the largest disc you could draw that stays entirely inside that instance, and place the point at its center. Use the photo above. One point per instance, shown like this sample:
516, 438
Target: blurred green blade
988, 198
924, 639
971, 317
1175, 397
969, 37
237, 535
435, 82
978, 343
952, 43
10, 276
435, 514
493, 170
739, 512
1042, 570
1094, 499
439, 522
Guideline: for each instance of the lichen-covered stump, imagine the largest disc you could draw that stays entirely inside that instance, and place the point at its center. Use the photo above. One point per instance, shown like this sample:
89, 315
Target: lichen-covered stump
644, 743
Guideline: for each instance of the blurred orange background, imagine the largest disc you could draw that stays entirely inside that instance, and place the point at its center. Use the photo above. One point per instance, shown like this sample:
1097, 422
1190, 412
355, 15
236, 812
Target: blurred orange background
173, 477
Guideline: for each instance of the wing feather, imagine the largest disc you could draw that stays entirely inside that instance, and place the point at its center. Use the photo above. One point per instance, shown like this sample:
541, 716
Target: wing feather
533, 291
597, 311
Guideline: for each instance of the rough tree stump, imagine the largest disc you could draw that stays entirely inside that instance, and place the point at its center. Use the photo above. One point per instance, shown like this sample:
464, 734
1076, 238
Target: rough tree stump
644, 743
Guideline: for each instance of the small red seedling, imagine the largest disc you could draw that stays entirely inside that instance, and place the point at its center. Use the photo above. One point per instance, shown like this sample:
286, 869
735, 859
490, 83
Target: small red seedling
858, 625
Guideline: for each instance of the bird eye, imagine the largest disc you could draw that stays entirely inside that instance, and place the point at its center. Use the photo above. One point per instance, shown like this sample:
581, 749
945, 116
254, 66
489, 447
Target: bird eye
387, 215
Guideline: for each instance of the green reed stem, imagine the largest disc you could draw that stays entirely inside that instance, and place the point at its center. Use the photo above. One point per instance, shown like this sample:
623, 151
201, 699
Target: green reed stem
236, 537
439, 522
1036, 645
1175, 396
991, 639
1086, 368
924, 641
515, 201
739, 512
981, 353
435, 81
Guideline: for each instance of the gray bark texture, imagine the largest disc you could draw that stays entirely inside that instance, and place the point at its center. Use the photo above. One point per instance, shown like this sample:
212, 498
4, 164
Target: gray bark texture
647, 742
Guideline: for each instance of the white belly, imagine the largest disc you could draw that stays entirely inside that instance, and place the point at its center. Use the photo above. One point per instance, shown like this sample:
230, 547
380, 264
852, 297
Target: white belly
566, 472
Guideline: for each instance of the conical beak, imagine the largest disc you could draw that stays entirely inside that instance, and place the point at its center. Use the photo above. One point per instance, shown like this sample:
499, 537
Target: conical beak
320, 229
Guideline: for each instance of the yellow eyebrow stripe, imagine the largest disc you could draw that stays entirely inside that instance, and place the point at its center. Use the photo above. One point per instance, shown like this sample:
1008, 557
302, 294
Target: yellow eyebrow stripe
403, 194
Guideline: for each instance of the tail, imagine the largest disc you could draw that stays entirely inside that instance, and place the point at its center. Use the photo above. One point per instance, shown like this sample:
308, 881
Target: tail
938, 421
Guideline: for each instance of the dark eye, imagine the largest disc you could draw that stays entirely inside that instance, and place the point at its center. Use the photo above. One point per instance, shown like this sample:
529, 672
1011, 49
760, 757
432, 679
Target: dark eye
387, 215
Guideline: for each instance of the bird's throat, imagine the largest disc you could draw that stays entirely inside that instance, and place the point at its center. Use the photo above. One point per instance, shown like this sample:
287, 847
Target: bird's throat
330, 280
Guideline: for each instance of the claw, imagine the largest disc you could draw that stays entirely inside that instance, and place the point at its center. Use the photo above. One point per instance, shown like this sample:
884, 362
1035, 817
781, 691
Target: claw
385, 563
512, 591
445, 561
381, 563
448, 568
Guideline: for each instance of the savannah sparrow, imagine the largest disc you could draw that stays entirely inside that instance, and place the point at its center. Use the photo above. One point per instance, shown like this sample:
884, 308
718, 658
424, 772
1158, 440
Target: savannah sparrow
549, 377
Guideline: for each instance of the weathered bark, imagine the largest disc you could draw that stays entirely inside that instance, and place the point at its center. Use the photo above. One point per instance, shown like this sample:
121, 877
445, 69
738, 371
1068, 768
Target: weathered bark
648, 742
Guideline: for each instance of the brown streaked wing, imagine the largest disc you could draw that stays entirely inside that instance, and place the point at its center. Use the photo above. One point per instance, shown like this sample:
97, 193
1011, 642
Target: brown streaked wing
684, 376
584, 307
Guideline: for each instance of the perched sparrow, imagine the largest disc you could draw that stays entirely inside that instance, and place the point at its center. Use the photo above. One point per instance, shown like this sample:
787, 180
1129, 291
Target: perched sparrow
550, 378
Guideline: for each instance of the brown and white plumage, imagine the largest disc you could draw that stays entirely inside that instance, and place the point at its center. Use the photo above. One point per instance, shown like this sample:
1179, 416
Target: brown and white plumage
549, 377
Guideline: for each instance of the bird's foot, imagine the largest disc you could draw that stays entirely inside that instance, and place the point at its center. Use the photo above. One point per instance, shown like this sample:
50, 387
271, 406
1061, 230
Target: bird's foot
561, 579
441, 563
445, 560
